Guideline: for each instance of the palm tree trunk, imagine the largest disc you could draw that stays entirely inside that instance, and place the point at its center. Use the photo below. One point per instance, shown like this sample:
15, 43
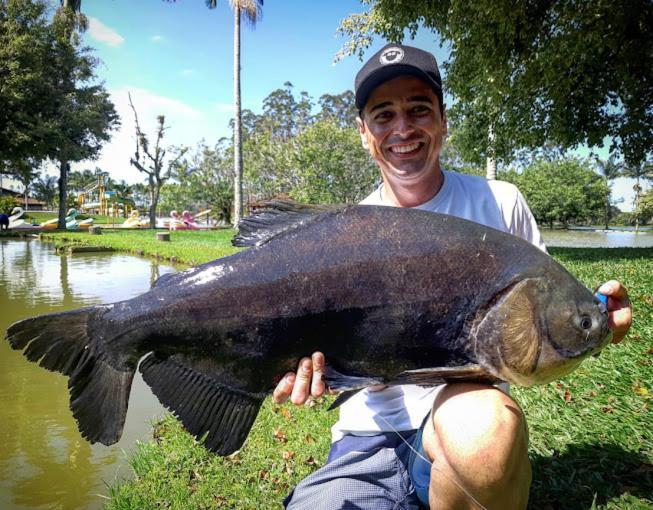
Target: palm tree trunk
238, 156
64, 167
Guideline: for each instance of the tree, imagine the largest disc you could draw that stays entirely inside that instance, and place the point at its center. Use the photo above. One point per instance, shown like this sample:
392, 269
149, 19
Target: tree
52, 107
638, 172
252, 12
151, 160
332, 165
565, 72
609, 169
562, 191
45, 189
26, 174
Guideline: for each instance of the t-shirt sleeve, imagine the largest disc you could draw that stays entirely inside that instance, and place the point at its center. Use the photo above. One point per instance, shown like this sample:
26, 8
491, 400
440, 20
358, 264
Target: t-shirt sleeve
523, 223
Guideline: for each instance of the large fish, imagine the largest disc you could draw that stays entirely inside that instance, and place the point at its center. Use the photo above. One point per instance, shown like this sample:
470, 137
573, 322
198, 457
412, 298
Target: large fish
391, 296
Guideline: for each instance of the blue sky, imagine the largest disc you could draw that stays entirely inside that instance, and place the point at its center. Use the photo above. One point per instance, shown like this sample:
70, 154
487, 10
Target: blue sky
176, 59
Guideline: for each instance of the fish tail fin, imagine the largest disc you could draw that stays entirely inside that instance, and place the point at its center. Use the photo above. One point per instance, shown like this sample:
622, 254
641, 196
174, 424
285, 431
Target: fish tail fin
219, 414
99, 391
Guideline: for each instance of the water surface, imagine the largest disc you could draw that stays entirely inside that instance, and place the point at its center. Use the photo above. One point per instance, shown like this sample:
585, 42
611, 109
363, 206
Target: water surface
44, 461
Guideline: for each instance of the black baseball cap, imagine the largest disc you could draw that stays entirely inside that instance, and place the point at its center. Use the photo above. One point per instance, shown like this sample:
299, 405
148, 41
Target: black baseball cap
396, 60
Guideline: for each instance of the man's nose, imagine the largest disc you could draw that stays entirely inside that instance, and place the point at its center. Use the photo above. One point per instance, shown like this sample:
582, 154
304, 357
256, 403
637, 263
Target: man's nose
403, 125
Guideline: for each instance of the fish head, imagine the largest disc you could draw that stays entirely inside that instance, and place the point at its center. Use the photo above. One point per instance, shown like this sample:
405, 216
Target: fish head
538, 330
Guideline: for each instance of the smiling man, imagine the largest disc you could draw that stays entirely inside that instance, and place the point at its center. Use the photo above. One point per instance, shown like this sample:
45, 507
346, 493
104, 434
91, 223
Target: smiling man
457, 446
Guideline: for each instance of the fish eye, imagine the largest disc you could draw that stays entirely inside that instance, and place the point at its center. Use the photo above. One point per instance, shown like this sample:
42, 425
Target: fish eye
586, 322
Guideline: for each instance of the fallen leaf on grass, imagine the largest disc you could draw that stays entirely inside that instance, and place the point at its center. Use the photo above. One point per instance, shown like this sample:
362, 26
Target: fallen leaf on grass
263, 474
288, 455
640, 390
607, 409
567, 396
280, 436
308, 439
285, 412
311, 461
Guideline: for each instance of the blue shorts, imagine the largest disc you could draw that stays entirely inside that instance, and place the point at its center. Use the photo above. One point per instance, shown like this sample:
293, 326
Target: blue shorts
368, 472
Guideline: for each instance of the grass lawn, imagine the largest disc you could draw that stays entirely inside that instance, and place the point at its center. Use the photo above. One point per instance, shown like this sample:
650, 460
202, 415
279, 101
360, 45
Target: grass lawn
591, 433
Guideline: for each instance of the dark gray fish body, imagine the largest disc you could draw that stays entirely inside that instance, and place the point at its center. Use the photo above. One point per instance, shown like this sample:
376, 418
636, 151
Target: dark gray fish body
389, 295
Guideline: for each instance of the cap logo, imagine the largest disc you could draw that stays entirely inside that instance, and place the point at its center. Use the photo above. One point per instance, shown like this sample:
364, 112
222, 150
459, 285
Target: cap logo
392, 55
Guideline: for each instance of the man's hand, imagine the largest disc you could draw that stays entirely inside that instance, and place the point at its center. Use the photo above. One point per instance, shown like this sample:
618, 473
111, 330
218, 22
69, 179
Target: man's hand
620, 312
306, 382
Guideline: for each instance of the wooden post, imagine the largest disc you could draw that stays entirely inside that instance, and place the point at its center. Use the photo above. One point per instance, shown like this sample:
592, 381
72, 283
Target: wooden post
96, 231
163, 236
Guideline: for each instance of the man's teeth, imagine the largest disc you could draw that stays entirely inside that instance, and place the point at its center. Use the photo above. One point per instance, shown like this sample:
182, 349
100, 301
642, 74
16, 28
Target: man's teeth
405, 148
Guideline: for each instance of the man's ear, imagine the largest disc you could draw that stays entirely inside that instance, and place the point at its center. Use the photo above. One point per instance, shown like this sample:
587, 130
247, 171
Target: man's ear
362, 132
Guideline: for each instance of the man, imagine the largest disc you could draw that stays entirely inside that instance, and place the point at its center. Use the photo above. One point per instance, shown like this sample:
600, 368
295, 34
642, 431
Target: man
471, 450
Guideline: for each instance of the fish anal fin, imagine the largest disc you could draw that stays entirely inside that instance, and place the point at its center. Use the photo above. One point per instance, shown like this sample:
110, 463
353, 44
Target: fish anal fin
208, 409
441, 375
275, 218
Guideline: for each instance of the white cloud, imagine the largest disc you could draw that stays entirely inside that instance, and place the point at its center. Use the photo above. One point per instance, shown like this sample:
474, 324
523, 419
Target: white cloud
157, 39
102, 33
188, 72
187, 126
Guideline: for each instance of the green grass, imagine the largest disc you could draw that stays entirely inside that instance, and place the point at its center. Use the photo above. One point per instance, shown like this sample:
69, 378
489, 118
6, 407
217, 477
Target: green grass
185, 246
591, 433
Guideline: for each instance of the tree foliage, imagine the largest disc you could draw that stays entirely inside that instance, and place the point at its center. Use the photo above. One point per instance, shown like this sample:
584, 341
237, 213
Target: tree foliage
563, 191
311, 153
566, 71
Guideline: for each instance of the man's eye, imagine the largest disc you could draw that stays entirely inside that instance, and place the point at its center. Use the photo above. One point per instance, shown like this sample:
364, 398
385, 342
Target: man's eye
382, 116
421, 110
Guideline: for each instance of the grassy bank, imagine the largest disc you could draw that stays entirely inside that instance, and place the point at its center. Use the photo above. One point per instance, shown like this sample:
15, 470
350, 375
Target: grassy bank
185, 246
591, 434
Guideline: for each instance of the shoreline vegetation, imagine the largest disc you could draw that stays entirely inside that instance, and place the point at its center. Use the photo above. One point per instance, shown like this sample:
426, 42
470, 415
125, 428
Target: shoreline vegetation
591, 440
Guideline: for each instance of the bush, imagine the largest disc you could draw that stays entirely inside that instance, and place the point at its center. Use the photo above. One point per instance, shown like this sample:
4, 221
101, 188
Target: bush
7, 203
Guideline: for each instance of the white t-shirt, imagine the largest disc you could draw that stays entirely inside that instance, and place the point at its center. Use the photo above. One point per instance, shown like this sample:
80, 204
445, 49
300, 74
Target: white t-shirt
496, 204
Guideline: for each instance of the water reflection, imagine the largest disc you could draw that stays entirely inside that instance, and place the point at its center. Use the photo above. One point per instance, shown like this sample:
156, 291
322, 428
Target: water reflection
44, 462
587, 238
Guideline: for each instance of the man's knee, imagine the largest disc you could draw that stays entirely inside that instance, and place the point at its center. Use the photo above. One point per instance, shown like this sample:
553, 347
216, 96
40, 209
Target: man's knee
479, 433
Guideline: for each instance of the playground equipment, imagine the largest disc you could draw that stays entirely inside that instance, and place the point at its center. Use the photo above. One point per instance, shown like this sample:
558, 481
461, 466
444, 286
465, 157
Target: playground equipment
100, 200
175, 222
187, 220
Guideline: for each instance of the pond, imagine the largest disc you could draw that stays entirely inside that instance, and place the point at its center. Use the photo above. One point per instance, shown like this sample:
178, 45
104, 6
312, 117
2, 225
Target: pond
44, 461
591, 238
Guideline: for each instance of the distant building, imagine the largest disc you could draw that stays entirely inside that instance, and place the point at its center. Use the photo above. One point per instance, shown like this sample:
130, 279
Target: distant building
10, 186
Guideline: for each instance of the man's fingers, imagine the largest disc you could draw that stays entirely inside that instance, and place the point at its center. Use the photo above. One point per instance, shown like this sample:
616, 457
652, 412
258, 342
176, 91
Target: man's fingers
317, 382
620, 313
284, 388
302, 385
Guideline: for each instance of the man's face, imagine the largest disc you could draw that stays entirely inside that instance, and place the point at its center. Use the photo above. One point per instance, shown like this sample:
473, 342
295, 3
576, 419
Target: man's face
402, 127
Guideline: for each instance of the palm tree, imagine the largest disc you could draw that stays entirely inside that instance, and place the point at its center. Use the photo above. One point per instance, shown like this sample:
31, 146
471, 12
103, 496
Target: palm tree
45, 189
642, 171
609, 169
252, 12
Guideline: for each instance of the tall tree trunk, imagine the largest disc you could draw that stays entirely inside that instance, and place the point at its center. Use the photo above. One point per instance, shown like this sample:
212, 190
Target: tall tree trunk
64, 168
491, 160
153, 202
637, 189
238, 156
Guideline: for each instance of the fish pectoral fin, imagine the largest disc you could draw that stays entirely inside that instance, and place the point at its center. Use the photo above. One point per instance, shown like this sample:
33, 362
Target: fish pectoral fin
219, 415
441, 375
276, 218
342, 382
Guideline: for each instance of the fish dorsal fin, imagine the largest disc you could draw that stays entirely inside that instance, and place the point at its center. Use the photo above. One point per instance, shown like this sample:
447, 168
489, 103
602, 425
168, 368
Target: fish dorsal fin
275, 218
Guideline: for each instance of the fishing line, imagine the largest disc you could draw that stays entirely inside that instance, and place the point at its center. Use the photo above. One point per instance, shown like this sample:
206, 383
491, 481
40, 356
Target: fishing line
448, 477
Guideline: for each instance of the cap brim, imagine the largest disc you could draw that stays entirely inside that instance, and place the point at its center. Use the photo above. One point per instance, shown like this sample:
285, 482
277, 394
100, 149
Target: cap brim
387, 73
